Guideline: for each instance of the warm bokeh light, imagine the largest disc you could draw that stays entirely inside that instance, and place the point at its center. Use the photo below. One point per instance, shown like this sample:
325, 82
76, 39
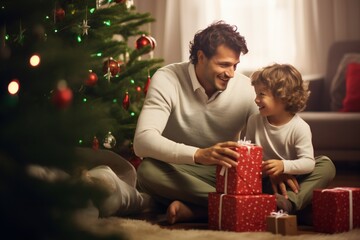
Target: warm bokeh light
35, 60
13, 87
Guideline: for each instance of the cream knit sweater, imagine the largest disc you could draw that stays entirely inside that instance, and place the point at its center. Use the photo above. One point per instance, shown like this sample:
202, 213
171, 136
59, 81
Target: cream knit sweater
177, 117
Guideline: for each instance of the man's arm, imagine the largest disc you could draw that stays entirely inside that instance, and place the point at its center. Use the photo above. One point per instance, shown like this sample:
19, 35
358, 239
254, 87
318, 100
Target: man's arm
148, 140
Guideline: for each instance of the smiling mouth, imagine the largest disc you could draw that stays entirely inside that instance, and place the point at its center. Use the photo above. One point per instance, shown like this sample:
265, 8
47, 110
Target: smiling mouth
224, 79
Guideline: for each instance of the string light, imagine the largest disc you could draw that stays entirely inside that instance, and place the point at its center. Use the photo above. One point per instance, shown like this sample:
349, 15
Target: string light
14, 87
35, 60
96, 55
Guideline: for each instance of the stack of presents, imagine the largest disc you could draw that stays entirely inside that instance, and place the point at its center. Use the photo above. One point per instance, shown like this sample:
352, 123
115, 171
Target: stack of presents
239, 205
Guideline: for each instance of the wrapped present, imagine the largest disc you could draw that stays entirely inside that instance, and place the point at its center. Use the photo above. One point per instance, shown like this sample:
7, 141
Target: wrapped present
281, 223
246, 178
336, 210
240, 213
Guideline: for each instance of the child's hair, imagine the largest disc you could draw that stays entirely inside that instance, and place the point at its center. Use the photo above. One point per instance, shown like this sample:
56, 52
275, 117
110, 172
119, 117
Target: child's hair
285, 83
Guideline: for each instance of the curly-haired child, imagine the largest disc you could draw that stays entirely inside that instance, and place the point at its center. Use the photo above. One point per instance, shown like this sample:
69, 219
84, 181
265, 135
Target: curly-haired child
286, 139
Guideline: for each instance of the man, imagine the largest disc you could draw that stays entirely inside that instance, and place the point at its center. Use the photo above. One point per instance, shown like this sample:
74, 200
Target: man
193, 114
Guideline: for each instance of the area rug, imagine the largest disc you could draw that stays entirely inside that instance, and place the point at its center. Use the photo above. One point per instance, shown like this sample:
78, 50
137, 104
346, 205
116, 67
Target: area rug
139, 229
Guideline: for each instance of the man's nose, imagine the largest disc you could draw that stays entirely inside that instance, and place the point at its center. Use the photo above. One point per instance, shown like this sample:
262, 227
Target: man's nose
230, 72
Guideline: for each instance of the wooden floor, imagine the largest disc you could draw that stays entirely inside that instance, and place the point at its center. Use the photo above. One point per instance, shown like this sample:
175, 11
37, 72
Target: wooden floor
347, 175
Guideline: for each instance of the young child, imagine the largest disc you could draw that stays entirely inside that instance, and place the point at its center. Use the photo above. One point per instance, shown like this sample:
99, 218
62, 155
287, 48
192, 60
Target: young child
284, 136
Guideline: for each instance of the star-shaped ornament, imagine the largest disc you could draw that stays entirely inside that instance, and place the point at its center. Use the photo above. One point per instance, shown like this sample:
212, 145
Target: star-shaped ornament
85, 27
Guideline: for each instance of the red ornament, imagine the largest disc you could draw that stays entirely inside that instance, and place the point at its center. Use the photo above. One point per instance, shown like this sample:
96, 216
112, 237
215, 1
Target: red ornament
135, 161
62, 97
59, 14
111, 66
92, 79
95, 144
126, 101
145, 41
147, 85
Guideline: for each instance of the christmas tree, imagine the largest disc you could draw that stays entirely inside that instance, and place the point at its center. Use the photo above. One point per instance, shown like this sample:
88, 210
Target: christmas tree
70, 75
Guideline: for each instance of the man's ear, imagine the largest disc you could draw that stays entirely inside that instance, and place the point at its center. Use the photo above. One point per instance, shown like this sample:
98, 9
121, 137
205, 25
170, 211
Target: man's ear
200, 55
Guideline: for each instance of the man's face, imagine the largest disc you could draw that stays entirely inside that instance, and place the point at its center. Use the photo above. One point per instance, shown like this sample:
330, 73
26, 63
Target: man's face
214, 73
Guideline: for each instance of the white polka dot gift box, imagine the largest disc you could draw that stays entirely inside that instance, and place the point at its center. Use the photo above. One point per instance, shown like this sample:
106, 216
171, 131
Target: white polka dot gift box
240, 213
246, 178
336, 209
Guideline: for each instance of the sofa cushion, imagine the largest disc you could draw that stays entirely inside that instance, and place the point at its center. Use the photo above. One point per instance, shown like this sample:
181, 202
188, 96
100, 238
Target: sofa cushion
338, 85
351, 101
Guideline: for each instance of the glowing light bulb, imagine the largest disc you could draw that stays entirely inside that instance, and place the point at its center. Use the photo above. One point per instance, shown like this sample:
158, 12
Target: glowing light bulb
13, 87
35, 60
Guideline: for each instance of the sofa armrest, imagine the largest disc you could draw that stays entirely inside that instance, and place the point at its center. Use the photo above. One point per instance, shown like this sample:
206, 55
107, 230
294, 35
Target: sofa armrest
316, 86
336, 133
334, 129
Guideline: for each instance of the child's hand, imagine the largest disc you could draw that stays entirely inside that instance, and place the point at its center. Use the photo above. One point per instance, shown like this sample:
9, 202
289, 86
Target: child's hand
273, 167
280, 183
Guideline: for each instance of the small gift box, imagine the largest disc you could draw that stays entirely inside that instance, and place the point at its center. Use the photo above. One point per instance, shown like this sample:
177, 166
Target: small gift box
336, 210
281, 223
246, 178
240, 213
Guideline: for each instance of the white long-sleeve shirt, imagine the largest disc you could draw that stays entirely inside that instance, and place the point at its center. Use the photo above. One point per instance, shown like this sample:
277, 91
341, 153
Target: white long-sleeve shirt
291, 142
177, 117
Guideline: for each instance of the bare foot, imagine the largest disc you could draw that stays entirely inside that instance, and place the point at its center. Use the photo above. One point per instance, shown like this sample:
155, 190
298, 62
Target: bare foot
179, 212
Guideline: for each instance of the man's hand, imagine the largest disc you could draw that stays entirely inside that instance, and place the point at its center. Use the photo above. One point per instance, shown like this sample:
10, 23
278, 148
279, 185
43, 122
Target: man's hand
273, 167
279, 182
219, 154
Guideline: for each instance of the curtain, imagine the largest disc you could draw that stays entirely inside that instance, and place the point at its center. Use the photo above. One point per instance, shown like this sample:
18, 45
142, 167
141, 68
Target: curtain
283, 31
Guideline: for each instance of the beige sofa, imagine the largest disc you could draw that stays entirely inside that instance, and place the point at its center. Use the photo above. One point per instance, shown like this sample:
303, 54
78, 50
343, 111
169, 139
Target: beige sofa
335, 134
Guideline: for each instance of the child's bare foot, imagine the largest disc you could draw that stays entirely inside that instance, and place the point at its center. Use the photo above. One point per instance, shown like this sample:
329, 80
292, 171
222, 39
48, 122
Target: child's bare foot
179, 212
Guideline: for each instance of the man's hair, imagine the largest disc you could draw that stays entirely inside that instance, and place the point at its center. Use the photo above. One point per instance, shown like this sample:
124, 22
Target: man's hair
216, 34
285, 83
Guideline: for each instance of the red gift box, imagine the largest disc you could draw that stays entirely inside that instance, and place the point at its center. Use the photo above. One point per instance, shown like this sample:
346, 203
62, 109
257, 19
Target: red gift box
336, 210
240, 213
246, 178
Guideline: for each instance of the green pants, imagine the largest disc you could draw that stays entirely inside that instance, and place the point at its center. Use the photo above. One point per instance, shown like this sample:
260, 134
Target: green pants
191, 183
321, 177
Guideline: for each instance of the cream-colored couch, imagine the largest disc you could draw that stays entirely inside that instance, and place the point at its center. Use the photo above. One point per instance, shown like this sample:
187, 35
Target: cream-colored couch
335, 134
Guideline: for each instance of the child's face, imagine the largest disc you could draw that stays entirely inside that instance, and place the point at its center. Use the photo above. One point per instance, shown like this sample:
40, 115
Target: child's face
269, 106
